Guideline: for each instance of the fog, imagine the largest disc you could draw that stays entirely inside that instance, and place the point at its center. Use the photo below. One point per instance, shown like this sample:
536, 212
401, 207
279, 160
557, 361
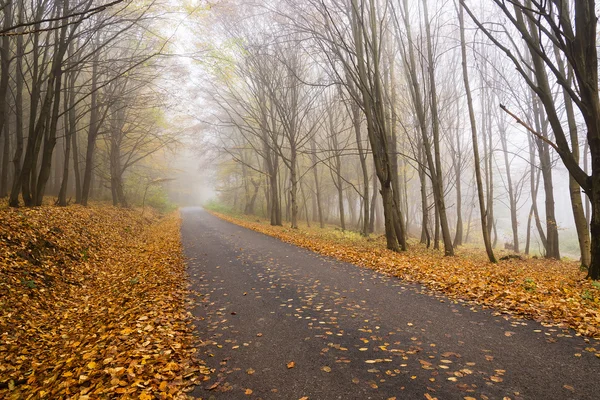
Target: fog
417, 120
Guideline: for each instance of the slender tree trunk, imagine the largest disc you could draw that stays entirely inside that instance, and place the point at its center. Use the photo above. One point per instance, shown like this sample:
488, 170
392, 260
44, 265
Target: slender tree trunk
364, 168
436, 227
528, 239
92, 135
436, 170
476, 159
581, 223
294, 189
373, 205
457, 161
318, 201
5, 60
30, 155
425, 234
586, 156
50, 137
534, 185
552, 249
512, 200
5, 161
69, 95
392, 139
16, 182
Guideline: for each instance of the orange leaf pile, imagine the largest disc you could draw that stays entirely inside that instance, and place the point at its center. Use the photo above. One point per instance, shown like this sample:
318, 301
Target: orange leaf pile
93, 304
545, 290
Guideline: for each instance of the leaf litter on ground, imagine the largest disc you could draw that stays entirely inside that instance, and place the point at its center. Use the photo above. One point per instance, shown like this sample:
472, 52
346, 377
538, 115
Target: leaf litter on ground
550, 291
93, 305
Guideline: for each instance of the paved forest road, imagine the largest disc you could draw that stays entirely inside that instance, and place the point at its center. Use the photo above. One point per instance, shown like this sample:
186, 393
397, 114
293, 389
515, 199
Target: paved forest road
355, 334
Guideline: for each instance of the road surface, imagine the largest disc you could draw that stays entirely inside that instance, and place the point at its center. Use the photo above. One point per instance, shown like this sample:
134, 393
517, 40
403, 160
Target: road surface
281, 322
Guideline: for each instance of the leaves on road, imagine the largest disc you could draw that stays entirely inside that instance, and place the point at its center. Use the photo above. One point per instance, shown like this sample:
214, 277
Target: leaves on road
92, 304
545, 290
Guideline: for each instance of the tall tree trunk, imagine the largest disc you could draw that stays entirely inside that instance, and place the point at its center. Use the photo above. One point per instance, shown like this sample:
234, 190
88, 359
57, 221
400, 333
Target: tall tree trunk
294, 188
534, 180
30, 158
392, 139
5, 59
512, 196
476, 164
528, 238
69, 97
373, 205
362, 155
367, 34
92, 135
61, 47
457, 162
581, 224
5, 161
436, 170
16, 182
586, 156
318, 201
339, 184
552, 249
425, 234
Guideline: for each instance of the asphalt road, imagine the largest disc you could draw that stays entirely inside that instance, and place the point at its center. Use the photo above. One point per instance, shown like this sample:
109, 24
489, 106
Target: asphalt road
280, 322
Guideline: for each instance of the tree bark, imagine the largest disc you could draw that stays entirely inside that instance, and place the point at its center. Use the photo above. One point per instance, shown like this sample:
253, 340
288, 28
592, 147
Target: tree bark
16, 182
476, 160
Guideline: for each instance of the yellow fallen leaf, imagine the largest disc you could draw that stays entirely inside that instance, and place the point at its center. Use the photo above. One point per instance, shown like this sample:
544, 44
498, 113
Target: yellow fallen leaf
145, 396
163, 386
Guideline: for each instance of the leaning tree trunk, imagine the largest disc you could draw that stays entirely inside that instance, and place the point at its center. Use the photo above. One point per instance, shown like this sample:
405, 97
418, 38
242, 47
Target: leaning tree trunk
476, 159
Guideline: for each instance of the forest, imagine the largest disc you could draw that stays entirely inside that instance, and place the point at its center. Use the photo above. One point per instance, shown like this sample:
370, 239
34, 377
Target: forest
449, 122
419, 120
453, 144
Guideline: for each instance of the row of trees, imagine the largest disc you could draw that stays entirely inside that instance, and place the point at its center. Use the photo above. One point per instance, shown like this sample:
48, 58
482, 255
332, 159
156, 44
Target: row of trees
78, 109
324, 105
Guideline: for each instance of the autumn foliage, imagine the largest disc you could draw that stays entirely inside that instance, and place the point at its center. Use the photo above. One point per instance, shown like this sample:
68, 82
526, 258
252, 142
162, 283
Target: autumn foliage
550, 291
92, 305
